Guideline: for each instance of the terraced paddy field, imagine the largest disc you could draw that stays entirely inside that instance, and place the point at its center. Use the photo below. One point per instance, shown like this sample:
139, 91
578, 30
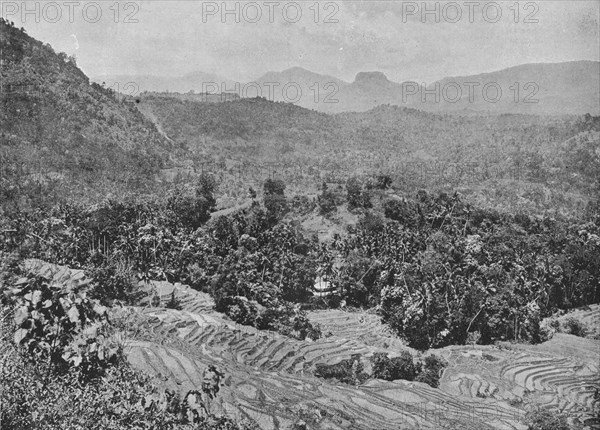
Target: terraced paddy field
527, 374
272, 399
362, 326
270, 377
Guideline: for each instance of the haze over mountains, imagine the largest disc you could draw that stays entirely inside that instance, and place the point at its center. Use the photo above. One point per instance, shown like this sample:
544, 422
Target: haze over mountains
543, 88
85, 132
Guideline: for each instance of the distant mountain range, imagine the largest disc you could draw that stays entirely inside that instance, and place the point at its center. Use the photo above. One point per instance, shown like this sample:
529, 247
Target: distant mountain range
545, 88
554, 88
60, 129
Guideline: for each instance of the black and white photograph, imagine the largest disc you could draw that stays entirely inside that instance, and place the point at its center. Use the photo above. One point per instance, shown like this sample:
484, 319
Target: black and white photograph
299, 215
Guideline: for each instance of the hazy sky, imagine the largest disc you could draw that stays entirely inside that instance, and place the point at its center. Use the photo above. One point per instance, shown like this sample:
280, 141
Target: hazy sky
172, 38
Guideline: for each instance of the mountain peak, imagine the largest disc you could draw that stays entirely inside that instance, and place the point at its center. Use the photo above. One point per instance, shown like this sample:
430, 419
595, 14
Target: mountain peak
297, 69
371, 77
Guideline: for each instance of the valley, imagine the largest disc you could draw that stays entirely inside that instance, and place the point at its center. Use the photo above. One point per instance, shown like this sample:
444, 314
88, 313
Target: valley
369, 255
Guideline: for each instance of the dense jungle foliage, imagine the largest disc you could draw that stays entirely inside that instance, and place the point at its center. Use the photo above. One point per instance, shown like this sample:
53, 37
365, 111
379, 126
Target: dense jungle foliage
436, 269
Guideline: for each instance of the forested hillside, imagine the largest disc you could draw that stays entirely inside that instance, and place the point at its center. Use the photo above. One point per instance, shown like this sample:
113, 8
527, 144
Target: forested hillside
530, 163
59, 128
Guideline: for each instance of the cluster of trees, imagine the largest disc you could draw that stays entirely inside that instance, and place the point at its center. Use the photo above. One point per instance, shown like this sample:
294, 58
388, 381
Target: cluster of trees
256, 267
358, 195
439, 270
327, 200
352, 371
404, 367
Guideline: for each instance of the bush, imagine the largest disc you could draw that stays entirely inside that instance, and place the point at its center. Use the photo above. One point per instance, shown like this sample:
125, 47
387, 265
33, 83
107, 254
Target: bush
239, 309
288, 321
402, 212
395, 368
190, 210
174, 302
349, 371
112, 283
358, 197
58, 326
404, 367
54, 341
431, 373
274, 187
383, 182
544, 419
277, 206
574, 327
327, 202
122, 399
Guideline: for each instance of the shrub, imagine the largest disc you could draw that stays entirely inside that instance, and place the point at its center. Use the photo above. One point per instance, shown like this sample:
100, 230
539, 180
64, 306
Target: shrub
174, 302
383, 182
395, 368
327, 202
205, 190
401, 211
489, 357
544, 419
429, 377
574, 327
56, 324
371, 223
188, 210
289, 321
239, 309
431, 373
50, 322
112, 283
302, 205
349, 371
274, 187
122, 399
303, 328
358, 197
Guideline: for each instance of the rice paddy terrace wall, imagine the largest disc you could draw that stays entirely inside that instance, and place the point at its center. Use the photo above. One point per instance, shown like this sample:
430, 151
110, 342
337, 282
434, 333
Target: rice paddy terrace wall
270, 381
271, 375
561, 374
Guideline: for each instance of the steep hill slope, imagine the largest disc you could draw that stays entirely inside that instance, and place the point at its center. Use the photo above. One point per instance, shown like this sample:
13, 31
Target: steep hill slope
55, 122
